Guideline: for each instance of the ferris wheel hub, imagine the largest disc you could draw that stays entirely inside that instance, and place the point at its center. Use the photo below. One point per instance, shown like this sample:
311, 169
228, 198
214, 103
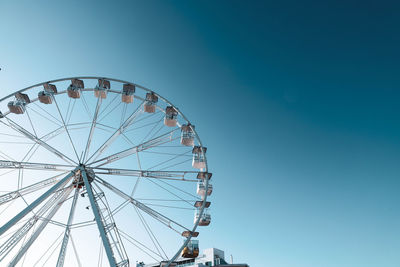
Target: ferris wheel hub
78, 179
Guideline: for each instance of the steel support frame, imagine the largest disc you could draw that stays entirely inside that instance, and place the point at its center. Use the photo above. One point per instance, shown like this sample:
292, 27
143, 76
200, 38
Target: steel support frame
97, 216
40, 228
168, 175
162, 139
28, 189
9, 164
25, 228
35, 203
158, 216
64, 244
39, 141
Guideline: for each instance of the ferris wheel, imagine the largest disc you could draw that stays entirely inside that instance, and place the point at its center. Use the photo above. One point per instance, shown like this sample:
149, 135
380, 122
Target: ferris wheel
97, 171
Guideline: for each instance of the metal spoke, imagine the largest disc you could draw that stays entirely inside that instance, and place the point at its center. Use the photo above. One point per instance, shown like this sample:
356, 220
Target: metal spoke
5, 156
47, 250
37, 140
71, 111
167, 175
138, 179
86, 105
8, 164
111, 110
148, 231
57, 122
29, 189
135, 242
35, 203
76, 252
158, 216
30, 121
23, 230
103, 229
40, 228
65, 127
63, 250
170, 159
162, 139
119, 131
99, 101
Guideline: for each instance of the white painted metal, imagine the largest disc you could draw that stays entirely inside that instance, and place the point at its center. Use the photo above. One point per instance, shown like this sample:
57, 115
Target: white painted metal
168, 175
35, 203
89, 141
40, 228
64, 244
100, 225
65, 127
39, 141
162, 218
9, 164
120, 130
162, 139
8, 245
28, 189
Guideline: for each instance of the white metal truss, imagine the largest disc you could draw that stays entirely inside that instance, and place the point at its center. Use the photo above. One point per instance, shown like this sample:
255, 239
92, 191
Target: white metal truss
35, 203
108, 232
65, 193
39, 141
9, 164
64, 244
162, 139
29, 189
168, 175
158, 216
7, 246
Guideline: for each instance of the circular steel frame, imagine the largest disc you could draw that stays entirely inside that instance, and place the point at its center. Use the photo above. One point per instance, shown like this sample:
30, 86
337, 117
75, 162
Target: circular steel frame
116, 91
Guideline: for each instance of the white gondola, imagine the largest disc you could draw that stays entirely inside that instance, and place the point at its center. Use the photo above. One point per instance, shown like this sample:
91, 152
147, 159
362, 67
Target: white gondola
190, 233
201, 189
191, 250
205, 218
50, 88
187, 135
200, 203
128, 92
101, 88
199, 159
150, 103
45, 97
16, 106
75, 87
170, 116
204, 175
24, 98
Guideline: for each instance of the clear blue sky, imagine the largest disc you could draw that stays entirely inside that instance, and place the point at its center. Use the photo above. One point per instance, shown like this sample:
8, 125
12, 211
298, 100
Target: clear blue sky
297, 102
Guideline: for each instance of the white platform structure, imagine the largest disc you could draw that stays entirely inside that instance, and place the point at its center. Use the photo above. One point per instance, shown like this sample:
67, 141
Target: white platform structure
209, 257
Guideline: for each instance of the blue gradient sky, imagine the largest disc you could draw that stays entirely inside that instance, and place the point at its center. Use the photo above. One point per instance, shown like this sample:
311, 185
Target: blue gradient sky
297, 102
